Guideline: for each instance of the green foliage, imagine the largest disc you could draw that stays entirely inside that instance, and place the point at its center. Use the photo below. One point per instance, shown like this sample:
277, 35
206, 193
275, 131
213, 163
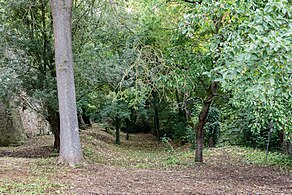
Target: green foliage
240, 131
166, 141
191, 135
117, 111
27, 59
179, 126
212, 130
256, 63
249, 44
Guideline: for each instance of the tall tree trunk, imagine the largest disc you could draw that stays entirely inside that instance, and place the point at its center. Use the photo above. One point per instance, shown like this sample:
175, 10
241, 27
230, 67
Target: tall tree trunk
70, 146
211, 91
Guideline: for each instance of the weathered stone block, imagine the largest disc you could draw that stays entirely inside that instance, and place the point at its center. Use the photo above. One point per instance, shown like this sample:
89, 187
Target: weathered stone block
11, 128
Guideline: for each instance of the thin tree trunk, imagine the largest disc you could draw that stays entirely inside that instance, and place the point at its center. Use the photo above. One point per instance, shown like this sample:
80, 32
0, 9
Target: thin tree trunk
45, 38
156, 113
70, 147
54, 120
212, 90
118, 140
81, 122
128, 126
127, 134
179, 104
200, 131
118, 137
269, 139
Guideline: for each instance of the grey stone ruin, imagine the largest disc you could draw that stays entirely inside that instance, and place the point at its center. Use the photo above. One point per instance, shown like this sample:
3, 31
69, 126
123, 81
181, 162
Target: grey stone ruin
11, 128
17, 124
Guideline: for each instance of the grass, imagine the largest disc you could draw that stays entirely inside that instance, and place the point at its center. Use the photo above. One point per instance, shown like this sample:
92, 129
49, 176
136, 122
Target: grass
258, 157
39, 185
143, 151
38, 175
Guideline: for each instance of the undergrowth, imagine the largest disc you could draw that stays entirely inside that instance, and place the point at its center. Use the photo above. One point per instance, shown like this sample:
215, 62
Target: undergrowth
258, 157
143, 151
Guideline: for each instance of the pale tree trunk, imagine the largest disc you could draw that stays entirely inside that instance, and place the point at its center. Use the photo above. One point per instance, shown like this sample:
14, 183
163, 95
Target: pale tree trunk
70, 147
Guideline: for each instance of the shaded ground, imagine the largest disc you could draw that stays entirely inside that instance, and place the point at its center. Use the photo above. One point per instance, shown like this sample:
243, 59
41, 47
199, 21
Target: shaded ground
111, 169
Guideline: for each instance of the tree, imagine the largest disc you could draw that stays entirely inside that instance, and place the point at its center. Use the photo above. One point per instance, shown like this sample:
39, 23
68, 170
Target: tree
118, 112
70, 146
249, 44
28, 56
257, 64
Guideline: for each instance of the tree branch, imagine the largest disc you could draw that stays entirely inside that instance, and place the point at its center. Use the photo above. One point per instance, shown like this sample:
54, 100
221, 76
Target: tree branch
189, 1
203, 83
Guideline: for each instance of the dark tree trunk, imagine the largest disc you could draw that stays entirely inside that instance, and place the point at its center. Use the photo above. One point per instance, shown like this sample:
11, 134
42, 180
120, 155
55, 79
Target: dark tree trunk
211, 142
118, 139
179, 105
117, 126
127, 134
57, 139
156, 113
200, 131
87, 120
81, 122
45, 37
54, 120
212, 90
128, 127
187, 106
284, 143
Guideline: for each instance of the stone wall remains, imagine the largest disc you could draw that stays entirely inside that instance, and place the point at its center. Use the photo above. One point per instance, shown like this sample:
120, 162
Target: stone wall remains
34, 123
16, 125
11, 128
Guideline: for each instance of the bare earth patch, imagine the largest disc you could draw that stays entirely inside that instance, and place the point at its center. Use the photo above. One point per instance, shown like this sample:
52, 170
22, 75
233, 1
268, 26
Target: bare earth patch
31, 169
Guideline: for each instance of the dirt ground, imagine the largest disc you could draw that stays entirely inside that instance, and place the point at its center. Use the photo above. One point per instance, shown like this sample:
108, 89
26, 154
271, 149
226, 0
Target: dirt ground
32, 165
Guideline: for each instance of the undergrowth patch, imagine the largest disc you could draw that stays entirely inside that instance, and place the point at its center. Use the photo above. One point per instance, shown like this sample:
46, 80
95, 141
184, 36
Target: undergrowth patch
144, 151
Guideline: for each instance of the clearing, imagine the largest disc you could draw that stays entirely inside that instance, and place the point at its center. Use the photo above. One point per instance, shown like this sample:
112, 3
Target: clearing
141, 165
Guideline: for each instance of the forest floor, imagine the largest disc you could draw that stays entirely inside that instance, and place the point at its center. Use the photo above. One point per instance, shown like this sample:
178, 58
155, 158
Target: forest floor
141, 165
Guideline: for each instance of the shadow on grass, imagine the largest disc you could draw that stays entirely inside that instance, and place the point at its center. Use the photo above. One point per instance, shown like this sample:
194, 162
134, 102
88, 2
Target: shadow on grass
36, 147
39, 152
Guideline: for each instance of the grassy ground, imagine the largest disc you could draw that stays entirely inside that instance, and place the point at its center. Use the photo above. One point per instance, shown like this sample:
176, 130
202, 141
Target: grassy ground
141, 165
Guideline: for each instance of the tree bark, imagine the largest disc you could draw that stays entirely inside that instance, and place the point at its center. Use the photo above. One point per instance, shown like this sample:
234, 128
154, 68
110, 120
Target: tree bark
117, 127
179, 105
81, 122
70, 146
54, 120
128, 126
212, 90
156, 113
